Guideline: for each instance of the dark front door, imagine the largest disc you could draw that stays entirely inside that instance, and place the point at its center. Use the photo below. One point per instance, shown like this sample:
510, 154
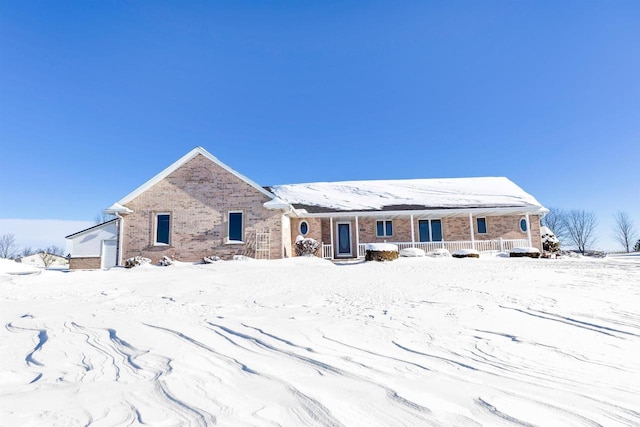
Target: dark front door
344, 239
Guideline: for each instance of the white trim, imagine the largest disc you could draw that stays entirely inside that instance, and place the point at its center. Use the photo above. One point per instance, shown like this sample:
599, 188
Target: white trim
486, 226
155, 229
331, 232
357, 234
384, 227
337, 253
413, 231
428, 213
300, 227
528, 229
473, 240
181, 161
234, 242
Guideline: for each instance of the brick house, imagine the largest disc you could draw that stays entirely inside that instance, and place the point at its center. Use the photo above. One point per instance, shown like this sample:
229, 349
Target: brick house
199, 207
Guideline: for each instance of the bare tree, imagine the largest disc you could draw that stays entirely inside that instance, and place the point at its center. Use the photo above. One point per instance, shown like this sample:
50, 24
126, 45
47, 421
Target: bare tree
624, 231
27, 251
556, 221
581, 226
50, 254
8, 246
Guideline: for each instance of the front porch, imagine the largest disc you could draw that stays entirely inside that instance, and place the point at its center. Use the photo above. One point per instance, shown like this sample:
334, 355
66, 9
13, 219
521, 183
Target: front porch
345, 237
499, 245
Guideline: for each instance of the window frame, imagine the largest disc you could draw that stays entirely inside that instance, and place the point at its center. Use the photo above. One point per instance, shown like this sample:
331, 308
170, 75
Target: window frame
234, 241
300, 228
526, 225
385, 224
484, 219
430, 230
156, 224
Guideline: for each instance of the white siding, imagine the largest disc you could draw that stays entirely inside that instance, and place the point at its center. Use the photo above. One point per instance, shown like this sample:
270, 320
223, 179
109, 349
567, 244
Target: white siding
89, 243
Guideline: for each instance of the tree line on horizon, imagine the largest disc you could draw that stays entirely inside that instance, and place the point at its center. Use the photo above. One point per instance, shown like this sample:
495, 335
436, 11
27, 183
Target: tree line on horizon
577, 227
9, 249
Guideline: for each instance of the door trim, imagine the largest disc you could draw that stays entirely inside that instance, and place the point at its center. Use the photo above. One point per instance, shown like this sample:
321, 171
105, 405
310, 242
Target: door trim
338, 254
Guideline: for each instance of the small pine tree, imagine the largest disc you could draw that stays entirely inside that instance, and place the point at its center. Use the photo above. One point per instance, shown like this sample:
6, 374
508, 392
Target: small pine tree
636, 248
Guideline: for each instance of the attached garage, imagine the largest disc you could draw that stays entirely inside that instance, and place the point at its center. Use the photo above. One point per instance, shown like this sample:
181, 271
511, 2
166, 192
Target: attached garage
95, 247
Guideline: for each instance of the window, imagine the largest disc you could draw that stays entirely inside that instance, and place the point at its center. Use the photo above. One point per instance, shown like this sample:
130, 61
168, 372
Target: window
163, 227
430, 230
482, 225
304, 228
235, 226
384, 228
523, 225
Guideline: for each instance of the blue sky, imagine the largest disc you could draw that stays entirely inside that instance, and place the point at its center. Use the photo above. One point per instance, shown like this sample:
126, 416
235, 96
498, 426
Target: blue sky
97, 97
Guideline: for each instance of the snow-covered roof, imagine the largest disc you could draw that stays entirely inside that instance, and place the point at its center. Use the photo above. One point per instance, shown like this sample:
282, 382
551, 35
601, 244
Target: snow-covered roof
409, 194
95, 227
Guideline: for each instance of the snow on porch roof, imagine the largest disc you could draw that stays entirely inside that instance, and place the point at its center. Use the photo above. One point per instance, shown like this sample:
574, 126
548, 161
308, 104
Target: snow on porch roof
409, 194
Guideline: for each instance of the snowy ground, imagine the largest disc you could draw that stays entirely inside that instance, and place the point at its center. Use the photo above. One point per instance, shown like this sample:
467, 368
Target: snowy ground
420, 341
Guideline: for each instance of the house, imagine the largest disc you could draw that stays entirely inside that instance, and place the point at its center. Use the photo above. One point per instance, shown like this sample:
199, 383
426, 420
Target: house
44, 260
198, 207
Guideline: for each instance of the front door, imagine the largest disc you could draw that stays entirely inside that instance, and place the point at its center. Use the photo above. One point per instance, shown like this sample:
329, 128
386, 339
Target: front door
344, 239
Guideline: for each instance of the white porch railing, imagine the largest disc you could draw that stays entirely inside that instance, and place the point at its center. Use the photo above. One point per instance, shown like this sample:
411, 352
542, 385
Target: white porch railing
327, 251
500, 245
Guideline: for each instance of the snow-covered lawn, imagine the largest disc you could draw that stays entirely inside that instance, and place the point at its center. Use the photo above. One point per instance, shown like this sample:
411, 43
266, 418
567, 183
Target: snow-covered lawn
417, 341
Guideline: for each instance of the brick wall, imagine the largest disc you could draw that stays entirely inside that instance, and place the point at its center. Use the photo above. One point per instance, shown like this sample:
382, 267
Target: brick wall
453, 229
199, 195
85, 263
505, 227
315, 231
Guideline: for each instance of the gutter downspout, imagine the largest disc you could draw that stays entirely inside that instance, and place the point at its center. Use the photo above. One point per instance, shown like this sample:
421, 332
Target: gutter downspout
119, 245
528, 229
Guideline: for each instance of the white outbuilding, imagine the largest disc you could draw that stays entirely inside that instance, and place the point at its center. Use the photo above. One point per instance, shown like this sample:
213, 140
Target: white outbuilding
95, 247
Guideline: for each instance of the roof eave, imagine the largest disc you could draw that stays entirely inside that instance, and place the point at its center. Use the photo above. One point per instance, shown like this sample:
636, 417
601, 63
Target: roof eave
442, 212
181, 161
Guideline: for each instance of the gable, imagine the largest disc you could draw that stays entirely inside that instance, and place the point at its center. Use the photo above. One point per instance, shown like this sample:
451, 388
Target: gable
203, 174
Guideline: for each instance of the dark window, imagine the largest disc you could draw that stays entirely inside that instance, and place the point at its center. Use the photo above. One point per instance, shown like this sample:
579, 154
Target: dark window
304, 228
436, 230
384, 228
163, 224
482, 225
430, 230
235, 226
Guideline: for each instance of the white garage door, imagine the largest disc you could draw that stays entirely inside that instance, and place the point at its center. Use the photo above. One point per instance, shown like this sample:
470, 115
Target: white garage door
109, 253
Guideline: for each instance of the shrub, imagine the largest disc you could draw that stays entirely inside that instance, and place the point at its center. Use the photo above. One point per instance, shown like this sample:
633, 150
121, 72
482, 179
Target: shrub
136, 261
306, 246
166, 261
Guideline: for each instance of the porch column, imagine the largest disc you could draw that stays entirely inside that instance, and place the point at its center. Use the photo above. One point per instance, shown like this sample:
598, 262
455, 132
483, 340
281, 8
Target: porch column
528, 229
357, 238
331, 233
413, 233
473, 240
